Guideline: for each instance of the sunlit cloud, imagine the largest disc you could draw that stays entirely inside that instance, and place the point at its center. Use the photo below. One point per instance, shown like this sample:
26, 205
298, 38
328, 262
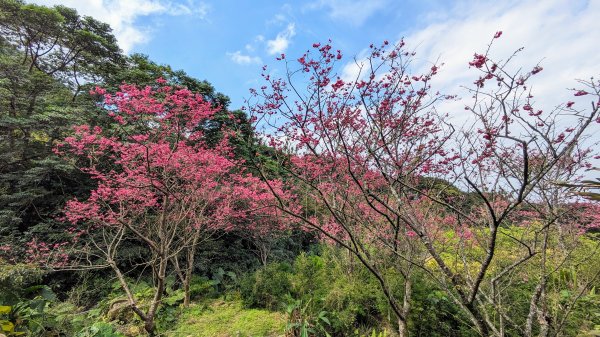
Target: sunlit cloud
122, 15
282, 41
239, 58
560, 35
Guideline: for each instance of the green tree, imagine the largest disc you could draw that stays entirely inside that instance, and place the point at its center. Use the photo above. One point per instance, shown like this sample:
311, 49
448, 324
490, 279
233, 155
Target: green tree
46, 54
142, 71
58, 42
33, 114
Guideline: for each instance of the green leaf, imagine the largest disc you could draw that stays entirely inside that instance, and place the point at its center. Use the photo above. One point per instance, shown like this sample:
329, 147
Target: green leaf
323, 317
5, 309
7, 326
177, 296
304, 331
48, 294
38, 305
44, 291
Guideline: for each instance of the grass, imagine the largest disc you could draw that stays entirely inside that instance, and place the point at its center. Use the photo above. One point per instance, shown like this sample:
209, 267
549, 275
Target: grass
228, 319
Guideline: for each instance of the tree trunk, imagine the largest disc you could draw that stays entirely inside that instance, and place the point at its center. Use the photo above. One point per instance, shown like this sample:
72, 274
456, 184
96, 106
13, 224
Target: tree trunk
191, 254
188, 276
149, 325
263, 250
403, 323
532, 310
161, 273
402, 328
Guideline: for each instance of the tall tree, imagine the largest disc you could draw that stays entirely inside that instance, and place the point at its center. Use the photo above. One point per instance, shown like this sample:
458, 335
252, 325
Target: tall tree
50, 58
46, 55
35, 111
159, 185
366, 151
60, 43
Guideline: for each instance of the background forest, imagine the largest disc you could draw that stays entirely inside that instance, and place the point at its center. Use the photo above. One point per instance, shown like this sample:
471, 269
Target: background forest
134, 201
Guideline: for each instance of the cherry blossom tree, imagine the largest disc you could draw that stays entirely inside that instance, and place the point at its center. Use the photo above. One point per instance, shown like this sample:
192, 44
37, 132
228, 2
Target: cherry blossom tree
158, 185
370, 153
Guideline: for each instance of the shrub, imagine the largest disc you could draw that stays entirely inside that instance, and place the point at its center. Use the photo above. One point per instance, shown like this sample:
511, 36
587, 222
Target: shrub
268, 287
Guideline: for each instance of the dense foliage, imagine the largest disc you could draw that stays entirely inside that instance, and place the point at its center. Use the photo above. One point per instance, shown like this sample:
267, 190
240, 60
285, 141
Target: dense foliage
134, 202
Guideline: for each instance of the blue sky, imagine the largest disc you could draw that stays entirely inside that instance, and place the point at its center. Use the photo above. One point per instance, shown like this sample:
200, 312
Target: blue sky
227, 42
229, 47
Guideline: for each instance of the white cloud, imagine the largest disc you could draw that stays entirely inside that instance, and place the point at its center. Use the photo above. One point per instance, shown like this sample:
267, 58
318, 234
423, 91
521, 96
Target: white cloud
281, 41
559, 33
277, 19
355, 12
355, 70
121, 15
240, 58
191, 8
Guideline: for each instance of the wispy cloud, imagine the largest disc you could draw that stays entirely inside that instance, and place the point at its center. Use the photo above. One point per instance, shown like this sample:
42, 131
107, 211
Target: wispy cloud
277, 19
198, 9
558, 33
354, 12
282, 40
122, 15
242, 59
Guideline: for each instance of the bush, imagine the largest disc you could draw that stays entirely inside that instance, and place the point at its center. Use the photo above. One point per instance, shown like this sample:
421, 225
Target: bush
15, 277
201, 287
320, 293
353, 302
268, 287
99, 329
310, 279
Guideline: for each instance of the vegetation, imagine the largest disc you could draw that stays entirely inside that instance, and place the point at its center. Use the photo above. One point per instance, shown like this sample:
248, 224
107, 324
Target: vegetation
133, 202
221, 318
